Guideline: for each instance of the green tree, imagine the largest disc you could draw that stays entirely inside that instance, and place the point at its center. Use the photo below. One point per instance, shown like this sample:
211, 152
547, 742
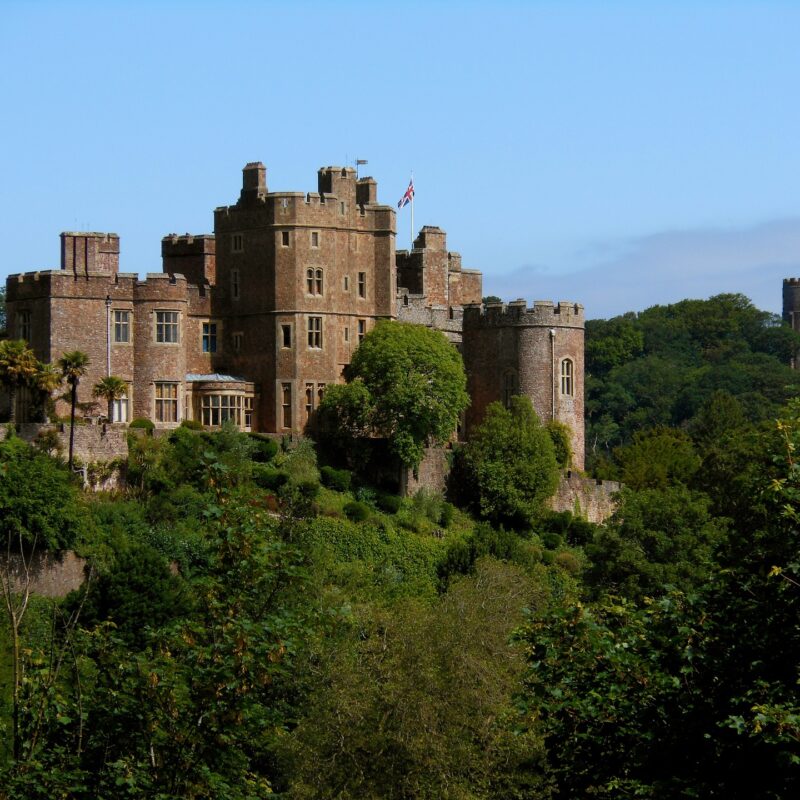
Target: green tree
110, 388
415, 702
657, 539
511, 463
657, 458
18, 367
73, 367
406, 383
47, 380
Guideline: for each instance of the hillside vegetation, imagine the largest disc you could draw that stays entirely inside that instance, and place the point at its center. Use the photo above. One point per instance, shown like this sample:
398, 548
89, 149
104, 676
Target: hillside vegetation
262, 622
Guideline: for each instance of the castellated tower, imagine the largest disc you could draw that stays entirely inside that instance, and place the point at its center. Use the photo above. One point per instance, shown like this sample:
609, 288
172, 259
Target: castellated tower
538, 352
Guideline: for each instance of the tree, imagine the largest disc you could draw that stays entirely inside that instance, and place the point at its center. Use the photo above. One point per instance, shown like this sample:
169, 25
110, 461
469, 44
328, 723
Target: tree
110, 388
73, 367
511, 463
46, 381
18, 367
406, 383
657, 458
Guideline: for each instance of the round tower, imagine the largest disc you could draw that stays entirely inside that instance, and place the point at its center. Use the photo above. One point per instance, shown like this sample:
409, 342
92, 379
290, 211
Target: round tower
537, 352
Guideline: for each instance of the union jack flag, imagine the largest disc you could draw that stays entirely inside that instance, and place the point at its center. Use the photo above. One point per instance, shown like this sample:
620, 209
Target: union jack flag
408, 196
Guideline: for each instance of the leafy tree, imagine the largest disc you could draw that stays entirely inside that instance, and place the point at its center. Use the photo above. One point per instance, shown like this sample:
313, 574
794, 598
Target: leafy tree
406, 383
657, 458
415, 702
73, 367
491, 298
46, 381
18, 367
511, 463
656, 539
110, 388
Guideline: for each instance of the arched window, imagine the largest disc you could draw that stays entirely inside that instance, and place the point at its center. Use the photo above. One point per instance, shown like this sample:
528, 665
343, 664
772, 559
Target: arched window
310, 281
510, 387
567, 378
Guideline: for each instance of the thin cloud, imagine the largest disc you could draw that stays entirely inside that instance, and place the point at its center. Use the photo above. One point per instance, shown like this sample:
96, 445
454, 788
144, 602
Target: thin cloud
666, 267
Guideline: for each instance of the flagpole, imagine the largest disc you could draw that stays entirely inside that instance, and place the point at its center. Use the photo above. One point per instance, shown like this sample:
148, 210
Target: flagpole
411, 247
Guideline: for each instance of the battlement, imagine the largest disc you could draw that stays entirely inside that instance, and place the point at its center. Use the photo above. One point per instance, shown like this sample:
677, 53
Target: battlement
543, 313
791, 281
192, 256
86, 252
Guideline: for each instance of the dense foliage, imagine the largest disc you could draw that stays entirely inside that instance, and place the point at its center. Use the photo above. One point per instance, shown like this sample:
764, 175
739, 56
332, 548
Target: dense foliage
256, 626
405, 383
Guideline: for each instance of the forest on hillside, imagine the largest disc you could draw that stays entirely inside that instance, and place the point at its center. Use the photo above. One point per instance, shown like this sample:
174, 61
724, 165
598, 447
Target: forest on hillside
262, 620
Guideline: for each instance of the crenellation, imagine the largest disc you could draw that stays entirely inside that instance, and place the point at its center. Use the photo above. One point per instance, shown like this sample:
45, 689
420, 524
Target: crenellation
258, 317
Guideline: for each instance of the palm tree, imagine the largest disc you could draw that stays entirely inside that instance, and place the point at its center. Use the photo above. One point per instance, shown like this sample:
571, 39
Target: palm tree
18, 367
111, 388
46, 381
73, 367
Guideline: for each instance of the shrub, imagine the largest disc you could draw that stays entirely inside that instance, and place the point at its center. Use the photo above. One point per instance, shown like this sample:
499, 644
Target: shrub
562, 442
268, 478
568, 561
192, 424
143, 424
339, 480
308, 489
551, 541
265, 448
357, 511
446, 517
389, 503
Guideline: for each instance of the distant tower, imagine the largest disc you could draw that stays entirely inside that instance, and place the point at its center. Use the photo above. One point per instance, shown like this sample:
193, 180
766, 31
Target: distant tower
791, 306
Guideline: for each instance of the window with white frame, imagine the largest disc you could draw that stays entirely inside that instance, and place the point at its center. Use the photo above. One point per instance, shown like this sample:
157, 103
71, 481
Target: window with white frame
167, 327
166, 402
567, 378
122, 326
215, 409
120, 409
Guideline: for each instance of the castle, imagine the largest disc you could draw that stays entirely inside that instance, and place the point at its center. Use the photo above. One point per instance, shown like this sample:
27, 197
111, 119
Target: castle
252, 322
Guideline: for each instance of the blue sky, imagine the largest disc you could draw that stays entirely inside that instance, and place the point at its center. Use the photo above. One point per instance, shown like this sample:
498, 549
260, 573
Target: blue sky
616, 154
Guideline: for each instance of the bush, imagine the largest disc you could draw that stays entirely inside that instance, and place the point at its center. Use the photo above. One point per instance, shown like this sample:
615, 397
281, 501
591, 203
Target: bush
308, 489
446, 517
357, 511
265, 448
268, 478
388, 503
562, 442
339, 480
192, 424
143, 424
552, 541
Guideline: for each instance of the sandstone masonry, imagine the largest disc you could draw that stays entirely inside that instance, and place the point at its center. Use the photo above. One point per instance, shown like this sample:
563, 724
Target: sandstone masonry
253, 322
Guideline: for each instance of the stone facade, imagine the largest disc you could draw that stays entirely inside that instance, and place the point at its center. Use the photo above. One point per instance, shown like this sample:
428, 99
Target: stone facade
254, 321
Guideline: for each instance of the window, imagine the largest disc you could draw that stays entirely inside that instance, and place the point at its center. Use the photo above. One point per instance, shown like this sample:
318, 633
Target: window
362, 330
166, 402
314, 281
320, 392
235, 284
167, 327
346, 334
119, 409
122, 326
315, 238
567, 379
237, 341
237, 243
24, 325
341, 208
286, 335
209, 337
309, 400
510, 387
347, 283
362, 284
286, 404
284, 238
219, 408
315, 332
248, 412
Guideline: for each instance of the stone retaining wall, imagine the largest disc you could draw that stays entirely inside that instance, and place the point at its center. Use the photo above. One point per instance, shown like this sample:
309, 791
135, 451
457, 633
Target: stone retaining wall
51, 574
